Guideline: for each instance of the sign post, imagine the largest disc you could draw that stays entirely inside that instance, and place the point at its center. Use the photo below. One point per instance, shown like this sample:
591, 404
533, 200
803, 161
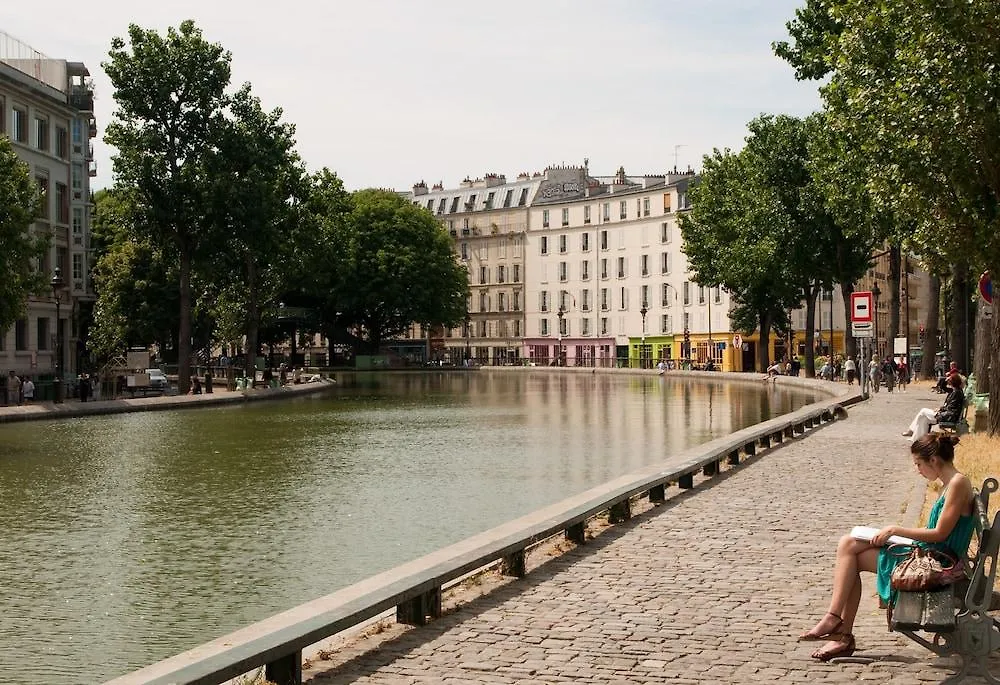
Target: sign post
862, 327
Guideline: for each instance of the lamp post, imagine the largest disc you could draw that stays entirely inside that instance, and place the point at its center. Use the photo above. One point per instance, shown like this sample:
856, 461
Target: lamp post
876, 291
831, 326
468, 331
57, 283
711, 357
559, 315
642, 345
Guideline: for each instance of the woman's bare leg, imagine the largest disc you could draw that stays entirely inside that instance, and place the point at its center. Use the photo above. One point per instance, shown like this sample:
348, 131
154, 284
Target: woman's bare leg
853, 556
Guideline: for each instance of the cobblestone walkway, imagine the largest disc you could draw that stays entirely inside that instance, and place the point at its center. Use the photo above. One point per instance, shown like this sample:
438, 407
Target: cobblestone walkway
711, 587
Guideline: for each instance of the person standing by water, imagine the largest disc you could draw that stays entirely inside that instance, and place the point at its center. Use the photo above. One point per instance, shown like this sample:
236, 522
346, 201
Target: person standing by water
28, 390
851, 370
13, 388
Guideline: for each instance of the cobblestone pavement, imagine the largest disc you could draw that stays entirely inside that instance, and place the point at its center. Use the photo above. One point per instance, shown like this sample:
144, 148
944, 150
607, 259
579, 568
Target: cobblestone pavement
711, 587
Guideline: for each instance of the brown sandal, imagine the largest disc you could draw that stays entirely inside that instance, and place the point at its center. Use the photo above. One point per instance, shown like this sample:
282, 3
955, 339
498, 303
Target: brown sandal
828, 635
846, 647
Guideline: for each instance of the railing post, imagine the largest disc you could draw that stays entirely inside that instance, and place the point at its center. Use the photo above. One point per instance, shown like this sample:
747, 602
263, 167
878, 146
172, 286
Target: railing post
622, 511
285, 671
777, 437
414, 612
577, 533
734, 458
686, 482
750, 449
711, 468
658, 493
765, 441
513, 565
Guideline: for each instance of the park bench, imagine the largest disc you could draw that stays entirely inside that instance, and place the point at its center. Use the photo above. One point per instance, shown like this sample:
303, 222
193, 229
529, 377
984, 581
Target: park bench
957, 615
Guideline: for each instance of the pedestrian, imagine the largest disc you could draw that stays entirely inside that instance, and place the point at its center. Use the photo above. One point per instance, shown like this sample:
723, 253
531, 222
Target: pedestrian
889, 372
84, 387
950, 525
875, 374
851, 370
28, 390
903, 374
796, 366
13, 388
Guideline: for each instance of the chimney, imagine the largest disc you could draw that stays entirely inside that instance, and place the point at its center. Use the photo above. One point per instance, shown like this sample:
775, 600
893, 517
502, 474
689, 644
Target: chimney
419, 189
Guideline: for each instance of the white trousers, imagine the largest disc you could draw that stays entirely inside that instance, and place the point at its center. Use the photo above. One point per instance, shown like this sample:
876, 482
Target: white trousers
922, 423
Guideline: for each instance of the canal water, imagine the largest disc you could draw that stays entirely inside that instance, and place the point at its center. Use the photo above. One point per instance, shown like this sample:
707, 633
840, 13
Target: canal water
129, 538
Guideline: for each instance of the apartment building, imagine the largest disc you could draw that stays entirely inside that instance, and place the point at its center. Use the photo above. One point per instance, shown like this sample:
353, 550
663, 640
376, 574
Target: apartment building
47, 111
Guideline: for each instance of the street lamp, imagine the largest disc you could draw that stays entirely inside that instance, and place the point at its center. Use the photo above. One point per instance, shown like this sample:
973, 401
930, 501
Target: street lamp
560, 314
58, 284
876, 291
642, 346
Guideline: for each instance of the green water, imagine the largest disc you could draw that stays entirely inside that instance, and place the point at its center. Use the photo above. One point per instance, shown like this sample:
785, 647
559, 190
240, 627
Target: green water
129, 538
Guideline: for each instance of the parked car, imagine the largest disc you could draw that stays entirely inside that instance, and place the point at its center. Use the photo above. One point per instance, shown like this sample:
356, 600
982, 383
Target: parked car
157, 379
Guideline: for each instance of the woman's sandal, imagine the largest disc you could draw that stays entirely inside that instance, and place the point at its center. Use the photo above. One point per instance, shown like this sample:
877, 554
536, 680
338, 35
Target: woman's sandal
845, 648
828, 635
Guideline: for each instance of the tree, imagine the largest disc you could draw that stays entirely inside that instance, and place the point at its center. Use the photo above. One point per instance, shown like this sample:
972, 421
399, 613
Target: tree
258, 183
759, 228
913, 85
400, 269
19, 248
170, 91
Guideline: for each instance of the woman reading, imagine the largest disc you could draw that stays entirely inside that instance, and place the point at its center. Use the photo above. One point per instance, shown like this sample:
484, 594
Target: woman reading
949, 527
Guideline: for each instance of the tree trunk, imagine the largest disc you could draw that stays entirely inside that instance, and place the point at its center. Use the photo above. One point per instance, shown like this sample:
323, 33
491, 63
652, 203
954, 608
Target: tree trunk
984, 347
253, 312
958, 343
931, 327
763, 359
994, 422
892, 328
850, 342
811, 332
184, 329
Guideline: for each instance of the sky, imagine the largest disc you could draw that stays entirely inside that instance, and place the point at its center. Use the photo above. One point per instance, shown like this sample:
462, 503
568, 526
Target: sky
390, 92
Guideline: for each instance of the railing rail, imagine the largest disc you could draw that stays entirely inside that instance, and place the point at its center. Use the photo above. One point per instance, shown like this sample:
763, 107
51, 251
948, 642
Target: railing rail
414, 588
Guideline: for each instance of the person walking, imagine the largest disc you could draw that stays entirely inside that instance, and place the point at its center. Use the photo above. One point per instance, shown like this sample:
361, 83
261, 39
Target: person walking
874, 374
903, 374
28, 390
889, 373
13, 388
851, 370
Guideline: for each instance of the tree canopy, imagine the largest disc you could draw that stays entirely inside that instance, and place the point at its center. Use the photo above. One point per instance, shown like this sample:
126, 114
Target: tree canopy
20, 250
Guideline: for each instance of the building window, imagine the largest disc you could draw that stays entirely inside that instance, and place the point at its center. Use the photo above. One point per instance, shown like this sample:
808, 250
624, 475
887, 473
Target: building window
517, 273
584, 270
604, 269
62, 143
687, 321
718, 293
701, 294
585, 300
565, 216
563, 271
665, 232
484, 275
42, 326
666, 203
604, 240
501, 274
20, 122
517, 327
644, 296
501, 302
77, 266
516, 301
543, 301
664, 262
77, 180
545, 245
484, 302
543, 327
623, 210
686, 289
464, 249
43, 200
621, 267
604, 325
21, 335
645, 264
665, 296
604, 299
521, 201
665, 326
623, 298
62, 202
78, 133
606, 211
586, 214
3, 132
645, 206
562, 244
545, 218
41, 133
585, 327
508, 197
564, 326
585, 242
489, 201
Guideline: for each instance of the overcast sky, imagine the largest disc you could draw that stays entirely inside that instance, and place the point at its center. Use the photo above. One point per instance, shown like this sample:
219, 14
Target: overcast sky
387, 92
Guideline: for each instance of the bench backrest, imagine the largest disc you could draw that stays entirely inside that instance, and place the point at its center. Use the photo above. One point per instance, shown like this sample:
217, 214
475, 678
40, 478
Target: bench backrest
980, 592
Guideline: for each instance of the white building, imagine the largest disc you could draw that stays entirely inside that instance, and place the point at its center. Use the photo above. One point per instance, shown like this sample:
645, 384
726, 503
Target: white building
46, 109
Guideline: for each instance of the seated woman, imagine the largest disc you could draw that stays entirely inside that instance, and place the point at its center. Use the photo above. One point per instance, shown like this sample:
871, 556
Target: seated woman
949, 526
950, 412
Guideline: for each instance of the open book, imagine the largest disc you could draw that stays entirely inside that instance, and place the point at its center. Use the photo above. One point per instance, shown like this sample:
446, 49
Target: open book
866, 533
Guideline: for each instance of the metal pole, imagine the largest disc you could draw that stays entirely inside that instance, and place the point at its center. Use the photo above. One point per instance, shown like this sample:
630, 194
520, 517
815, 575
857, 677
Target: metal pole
710, 355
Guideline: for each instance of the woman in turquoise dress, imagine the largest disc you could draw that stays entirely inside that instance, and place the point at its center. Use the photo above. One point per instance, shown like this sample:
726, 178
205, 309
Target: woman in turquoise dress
950, 526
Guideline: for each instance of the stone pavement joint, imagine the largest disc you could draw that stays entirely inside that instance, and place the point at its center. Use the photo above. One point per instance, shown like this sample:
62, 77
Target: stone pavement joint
712, 587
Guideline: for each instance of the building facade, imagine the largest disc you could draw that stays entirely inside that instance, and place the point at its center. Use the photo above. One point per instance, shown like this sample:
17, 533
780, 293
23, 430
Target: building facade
47, 111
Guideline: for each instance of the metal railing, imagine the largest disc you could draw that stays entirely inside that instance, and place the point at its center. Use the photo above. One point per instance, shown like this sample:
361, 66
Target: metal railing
415, 588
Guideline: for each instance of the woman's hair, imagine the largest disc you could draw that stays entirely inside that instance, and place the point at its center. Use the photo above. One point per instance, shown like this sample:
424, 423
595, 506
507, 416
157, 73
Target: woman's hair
955, 381
935, 445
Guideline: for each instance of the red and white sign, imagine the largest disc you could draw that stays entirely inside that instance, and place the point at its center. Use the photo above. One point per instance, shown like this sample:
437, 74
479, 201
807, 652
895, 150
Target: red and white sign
862, 307
986, 287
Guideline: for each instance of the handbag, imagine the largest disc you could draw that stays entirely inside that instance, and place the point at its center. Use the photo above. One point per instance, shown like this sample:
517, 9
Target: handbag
924, 568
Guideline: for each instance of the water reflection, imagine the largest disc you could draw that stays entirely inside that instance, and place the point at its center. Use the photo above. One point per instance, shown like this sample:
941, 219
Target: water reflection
128, 538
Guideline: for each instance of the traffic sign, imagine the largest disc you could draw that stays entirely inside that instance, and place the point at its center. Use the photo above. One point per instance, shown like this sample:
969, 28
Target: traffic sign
862, 306
737, 341
862, 329
986, 287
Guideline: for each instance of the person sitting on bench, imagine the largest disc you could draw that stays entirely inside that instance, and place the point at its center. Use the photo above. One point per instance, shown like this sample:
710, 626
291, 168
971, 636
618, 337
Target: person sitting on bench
949, 526
942, 382
950, 412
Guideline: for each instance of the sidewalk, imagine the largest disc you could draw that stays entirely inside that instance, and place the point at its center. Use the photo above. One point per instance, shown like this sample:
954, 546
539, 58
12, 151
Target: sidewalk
44, 411
712, 587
